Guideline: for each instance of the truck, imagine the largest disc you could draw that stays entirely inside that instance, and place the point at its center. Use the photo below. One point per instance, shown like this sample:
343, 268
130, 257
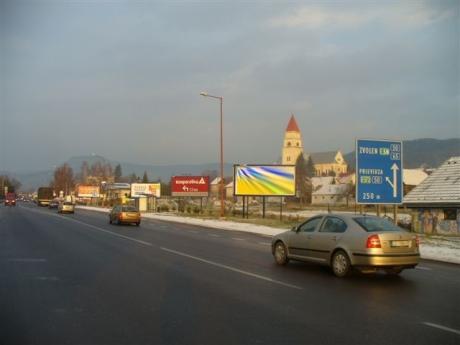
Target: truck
10, 199
44, 196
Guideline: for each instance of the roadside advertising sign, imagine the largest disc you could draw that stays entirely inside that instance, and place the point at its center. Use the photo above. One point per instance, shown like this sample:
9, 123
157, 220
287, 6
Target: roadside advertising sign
379, 167
84, 191
145, 189
190, 186
264, 180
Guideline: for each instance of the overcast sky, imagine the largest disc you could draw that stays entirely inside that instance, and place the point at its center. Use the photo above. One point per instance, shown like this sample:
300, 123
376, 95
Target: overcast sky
122, 78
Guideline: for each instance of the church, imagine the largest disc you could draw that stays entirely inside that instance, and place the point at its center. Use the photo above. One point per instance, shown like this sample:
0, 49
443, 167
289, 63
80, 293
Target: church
325, 163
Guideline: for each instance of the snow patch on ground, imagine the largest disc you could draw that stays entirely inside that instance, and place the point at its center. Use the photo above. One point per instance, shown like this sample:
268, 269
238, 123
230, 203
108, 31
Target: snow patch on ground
437, 248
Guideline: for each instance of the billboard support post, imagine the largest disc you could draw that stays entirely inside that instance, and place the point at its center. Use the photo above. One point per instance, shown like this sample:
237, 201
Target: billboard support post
395, 214
201, 205
263, 207
281, 208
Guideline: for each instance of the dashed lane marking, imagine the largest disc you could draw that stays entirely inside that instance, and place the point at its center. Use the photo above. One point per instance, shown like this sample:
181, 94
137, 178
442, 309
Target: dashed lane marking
95, 228
230, 268
27, 260
444, 328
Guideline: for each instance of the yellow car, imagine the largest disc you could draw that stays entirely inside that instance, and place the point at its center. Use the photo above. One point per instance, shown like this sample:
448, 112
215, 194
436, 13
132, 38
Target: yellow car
122, 214
66, 207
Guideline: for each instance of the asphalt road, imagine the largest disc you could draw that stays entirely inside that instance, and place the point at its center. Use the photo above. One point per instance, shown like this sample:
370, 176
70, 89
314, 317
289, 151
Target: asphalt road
75, 279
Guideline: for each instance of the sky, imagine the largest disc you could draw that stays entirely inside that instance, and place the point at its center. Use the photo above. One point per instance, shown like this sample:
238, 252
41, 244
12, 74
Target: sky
122, 79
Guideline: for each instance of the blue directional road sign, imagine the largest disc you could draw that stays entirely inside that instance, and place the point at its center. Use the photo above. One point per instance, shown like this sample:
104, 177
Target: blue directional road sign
379, 172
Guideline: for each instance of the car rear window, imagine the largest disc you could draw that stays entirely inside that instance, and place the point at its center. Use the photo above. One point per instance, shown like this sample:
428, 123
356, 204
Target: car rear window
129, 209
374, 224
68, 203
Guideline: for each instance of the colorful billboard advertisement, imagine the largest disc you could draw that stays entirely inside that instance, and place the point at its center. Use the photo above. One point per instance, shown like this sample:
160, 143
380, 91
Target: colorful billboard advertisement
85, 191
264, 180
190, 186
145, 189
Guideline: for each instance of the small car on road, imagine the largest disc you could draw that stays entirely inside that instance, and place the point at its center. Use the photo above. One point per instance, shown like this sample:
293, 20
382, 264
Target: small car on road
54, 203
344, 242
66, 207
123, 214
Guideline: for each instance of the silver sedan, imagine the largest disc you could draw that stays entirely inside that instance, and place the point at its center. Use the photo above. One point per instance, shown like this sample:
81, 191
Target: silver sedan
343, 242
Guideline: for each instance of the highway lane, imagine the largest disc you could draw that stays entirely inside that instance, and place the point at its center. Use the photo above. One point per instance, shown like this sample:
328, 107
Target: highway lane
76, 279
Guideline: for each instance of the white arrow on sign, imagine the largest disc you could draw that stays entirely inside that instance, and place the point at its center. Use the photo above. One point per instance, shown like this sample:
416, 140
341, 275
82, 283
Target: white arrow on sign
394, 184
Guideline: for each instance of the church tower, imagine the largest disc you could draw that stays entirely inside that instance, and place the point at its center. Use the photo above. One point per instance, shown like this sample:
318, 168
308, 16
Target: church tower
292, 146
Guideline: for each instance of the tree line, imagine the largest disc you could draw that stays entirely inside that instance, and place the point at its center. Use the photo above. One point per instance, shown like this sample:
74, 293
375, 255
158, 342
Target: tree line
64, 178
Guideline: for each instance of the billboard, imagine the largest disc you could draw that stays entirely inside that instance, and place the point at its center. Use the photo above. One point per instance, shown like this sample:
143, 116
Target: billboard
145, 189
264, 180
85, 191
379, 168
190, 186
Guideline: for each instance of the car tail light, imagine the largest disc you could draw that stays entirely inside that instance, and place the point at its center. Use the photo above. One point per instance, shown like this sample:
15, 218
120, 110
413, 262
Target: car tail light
120, 216
373, 242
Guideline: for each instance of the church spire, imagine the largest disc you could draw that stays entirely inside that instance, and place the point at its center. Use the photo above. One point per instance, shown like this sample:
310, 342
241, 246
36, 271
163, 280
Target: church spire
292, 125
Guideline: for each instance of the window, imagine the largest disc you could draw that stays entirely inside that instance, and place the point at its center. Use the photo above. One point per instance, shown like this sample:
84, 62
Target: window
297, 144
310, 225
288, 143
450, 214
288, 158
333, 224
373, 224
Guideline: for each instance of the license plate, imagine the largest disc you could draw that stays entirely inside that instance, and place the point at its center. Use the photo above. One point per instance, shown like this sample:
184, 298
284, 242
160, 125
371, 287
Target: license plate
400, 243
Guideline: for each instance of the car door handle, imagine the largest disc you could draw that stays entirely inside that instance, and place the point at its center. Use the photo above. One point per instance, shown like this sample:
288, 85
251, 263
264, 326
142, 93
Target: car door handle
334, 238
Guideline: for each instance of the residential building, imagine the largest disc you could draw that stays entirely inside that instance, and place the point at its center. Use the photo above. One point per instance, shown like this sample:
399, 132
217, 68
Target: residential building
214, 187
329, 163
331, 194
412, 178
436, 201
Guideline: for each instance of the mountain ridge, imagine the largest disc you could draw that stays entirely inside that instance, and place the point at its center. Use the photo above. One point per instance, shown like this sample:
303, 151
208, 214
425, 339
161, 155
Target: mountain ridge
425, 152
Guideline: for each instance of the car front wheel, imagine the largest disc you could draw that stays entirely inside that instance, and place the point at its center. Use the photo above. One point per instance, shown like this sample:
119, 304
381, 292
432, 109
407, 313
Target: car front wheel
280, 254
341, 264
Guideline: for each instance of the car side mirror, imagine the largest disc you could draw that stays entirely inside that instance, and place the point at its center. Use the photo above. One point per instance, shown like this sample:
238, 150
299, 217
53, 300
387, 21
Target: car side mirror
295, 228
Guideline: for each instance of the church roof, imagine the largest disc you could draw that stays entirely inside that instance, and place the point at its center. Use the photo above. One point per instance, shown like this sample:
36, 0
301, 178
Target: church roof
292, 125
323, 157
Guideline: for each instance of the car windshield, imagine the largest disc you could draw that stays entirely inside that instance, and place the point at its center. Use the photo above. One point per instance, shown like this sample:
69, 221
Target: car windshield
129, 209
374, 224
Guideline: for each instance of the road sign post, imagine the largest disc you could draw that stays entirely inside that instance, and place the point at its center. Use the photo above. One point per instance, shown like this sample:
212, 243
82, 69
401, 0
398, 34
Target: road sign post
379, 168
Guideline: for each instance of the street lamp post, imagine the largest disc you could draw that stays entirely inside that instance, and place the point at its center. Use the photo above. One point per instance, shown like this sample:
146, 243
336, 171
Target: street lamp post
221, 99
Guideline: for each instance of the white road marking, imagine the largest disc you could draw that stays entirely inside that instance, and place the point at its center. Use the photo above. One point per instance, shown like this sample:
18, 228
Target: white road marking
444, 328
231, 268
214, 235
423, 268
93, 227
237, 239
47, 278
27, 260
264, 243
109, 232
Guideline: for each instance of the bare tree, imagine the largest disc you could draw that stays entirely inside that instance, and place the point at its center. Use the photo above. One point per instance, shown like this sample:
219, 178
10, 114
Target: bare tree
63, 179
